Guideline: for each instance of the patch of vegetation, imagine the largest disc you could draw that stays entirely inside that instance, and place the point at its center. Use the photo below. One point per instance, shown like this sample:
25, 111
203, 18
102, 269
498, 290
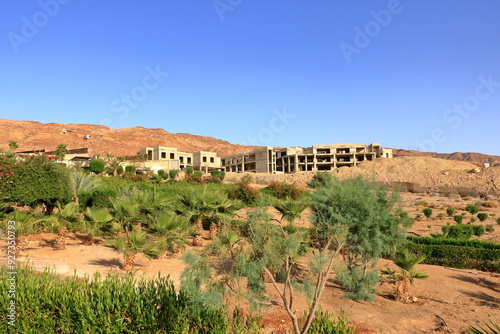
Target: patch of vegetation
46, 303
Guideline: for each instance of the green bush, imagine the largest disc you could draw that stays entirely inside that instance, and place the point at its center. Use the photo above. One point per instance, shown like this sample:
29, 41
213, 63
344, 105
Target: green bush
219, 174
35, 180
244, 193
427, 212
458, 219
450, 211
46, 303
472, 209
173, 174
321, 179
482, 216
97, 166
188, 171
478, 230
130, 169
119, 170
282, 190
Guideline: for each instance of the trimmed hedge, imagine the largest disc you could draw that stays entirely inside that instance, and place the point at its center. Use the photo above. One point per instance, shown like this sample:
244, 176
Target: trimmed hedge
464, 254
462, 231
454, 242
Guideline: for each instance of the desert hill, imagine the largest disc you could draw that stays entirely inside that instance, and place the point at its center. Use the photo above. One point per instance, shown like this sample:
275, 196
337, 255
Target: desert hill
475, 158
121, 142
127, 141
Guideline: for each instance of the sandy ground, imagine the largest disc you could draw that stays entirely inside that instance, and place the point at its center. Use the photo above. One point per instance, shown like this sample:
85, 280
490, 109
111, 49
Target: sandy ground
448, 301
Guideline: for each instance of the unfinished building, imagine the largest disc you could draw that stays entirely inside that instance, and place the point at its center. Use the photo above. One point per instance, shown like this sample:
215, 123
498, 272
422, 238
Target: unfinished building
297, 159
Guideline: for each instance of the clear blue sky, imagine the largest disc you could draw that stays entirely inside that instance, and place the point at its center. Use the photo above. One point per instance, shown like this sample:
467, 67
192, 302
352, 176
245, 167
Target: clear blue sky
409, 74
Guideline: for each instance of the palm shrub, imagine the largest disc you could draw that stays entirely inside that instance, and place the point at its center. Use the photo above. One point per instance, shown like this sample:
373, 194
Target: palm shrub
407, 261
133, 243
81, 181
491, 328
95, 221
172, 230
290, 210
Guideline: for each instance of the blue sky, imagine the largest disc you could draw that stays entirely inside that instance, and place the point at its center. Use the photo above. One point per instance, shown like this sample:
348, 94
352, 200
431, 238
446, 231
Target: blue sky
408, 74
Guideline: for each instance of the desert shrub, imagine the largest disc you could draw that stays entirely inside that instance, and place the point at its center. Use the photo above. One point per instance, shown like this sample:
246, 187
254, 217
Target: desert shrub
489, 228
97, 166
419, 217
173, 174
47, 303
282, 190
321, 179
472, 209
244, 193
498, 220
458, 219
421, 203
490, 204
472, 220
450, 211
374, 228
427, 212
478, 230
441, 216
482, 216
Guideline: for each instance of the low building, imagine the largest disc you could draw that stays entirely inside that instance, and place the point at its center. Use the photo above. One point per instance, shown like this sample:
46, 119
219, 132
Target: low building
171, 158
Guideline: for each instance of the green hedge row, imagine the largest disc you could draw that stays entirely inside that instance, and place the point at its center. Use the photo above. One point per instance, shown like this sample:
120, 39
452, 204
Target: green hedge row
463, 257
45, 303
454, 242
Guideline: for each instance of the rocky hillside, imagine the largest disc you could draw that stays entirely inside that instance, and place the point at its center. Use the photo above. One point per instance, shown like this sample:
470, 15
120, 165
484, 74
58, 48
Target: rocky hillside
127, 141
472, 157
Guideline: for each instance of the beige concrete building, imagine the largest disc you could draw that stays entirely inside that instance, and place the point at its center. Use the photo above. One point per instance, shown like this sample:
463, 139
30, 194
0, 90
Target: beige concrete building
170, 158
298, 159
